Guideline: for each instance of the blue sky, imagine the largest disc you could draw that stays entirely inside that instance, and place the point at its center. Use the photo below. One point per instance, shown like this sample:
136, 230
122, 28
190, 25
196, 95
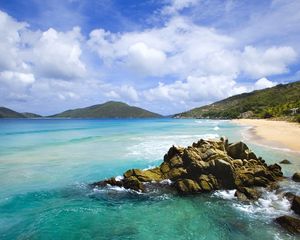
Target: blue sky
166, 56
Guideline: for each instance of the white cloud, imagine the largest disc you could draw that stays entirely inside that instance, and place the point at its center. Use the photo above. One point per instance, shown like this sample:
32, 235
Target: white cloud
57, 54
125, 92
195, 89
12, 78
145, 59
10, 35
274, 60
175, 6
264, 83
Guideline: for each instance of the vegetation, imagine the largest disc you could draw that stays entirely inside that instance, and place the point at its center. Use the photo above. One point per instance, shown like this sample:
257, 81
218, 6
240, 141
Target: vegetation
8, 113
275, 102
108, 110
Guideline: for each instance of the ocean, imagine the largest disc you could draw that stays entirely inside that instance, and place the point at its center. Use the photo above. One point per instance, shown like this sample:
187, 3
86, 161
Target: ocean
47, 164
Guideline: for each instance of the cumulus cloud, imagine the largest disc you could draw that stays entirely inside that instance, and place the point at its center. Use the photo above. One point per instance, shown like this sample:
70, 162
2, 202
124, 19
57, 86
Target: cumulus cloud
274, 60
264, 83
146, 59
57, 54
195, 89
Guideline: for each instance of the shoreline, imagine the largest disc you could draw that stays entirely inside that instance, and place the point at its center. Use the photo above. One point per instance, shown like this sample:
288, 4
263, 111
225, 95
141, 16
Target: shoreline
275, 134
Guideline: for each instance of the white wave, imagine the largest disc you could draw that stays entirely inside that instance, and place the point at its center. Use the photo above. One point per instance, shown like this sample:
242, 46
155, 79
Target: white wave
225, 194
166, 182
114, 189
198, 121
269, 205
216, 128
153, 148
119, 178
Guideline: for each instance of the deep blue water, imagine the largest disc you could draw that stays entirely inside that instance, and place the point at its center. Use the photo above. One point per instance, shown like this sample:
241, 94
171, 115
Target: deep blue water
46, 165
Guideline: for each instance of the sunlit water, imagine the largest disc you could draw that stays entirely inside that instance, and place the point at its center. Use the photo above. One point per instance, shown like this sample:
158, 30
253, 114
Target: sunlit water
46, 165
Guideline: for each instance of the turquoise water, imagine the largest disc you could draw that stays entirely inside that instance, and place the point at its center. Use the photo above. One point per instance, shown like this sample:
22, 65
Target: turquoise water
45, 166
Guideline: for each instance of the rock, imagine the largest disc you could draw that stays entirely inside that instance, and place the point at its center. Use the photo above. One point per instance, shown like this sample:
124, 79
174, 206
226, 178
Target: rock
296, 205
289, 196
285, 161
237, 150
225, 174
206, 183
296, 177
205, 166
249, 193
133, 183
289, 223
176, 173
187, 186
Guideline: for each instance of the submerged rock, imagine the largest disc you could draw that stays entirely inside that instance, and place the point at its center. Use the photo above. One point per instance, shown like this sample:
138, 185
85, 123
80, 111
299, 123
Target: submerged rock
205, 166
296, 205
285, 161
296, 177
289, 223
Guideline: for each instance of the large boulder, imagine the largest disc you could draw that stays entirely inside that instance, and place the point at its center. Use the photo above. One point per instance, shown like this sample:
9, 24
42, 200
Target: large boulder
240, 150
289, 223
296, 177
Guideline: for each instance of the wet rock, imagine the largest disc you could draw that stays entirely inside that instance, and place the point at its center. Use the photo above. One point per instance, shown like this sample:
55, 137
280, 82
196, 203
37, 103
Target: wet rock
187, 186
289, 223
285, 161
246, 193
296, 177
289, 196
133, 183
296, 204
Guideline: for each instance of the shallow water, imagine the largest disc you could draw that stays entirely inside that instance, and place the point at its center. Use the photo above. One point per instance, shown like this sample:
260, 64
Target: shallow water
45, 166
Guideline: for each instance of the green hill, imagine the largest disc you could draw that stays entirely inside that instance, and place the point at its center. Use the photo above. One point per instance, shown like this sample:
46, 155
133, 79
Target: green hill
108, 110
31, 115
275, 102
8, 113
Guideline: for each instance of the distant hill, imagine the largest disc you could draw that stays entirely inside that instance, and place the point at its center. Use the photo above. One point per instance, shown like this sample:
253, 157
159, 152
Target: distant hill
280, 101
110, 109
8, 113
31, 115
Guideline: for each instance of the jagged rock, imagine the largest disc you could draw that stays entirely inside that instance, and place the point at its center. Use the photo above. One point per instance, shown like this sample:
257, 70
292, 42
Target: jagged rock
285, 161
133, 183
187, 186
205, 166
296, 177
289, 223
296, 205
246, 194
240, 150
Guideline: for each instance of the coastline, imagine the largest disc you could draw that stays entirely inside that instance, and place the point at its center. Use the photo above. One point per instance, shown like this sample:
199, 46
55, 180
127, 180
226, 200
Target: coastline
278, 134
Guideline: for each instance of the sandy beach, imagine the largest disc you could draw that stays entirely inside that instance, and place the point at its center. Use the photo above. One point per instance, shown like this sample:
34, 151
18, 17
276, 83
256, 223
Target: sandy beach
280, 134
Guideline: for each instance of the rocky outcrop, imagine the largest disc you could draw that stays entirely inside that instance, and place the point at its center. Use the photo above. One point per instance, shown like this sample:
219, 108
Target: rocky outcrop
285, 161
296, 177
289, 223
205, 166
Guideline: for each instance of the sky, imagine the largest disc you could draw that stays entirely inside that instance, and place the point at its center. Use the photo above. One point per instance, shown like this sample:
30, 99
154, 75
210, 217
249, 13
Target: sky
167, 56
